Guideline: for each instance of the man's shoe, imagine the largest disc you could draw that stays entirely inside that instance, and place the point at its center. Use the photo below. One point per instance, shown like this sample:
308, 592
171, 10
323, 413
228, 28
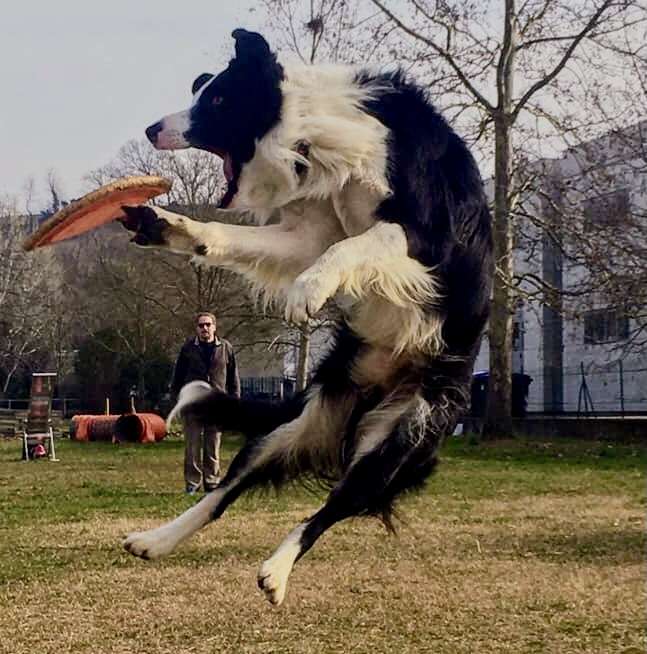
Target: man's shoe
212, 487
192, 490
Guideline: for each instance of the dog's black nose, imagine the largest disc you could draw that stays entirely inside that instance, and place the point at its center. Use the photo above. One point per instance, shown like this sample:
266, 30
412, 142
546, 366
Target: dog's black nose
153, 131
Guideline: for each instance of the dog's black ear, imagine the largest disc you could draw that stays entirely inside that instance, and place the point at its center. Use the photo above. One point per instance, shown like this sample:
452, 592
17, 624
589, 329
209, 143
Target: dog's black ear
200, 81
250, 45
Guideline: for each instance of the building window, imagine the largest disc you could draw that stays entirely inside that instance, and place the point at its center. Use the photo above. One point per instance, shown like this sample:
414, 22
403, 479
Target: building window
605, 326
517, 336
608, 210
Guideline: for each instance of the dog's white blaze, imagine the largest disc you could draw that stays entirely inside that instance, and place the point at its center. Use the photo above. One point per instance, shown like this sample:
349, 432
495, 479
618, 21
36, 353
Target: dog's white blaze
199, 92
273, 574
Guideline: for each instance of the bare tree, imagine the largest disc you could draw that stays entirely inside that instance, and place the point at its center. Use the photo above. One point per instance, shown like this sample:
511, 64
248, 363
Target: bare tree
55, 193
318, 30
164, 289
28, 294
520, 79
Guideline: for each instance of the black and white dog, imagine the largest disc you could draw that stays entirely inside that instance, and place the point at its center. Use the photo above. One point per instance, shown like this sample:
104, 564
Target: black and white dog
360, 190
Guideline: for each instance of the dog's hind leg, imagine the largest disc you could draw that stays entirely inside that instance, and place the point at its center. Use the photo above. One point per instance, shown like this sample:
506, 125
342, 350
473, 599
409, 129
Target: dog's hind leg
271, 458
396, 451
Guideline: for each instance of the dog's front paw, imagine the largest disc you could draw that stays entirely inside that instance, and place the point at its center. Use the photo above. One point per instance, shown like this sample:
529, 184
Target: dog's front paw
307, 295
149, 228
161, 228
152, 544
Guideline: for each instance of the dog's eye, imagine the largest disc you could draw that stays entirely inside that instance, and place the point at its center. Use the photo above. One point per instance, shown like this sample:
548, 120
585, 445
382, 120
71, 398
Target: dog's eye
217, 100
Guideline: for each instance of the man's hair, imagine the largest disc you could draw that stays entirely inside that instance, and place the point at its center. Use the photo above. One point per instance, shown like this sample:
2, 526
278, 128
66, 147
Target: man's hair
205, 314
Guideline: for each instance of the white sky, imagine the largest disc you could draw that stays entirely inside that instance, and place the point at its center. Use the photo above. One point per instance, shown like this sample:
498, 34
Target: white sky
79, 78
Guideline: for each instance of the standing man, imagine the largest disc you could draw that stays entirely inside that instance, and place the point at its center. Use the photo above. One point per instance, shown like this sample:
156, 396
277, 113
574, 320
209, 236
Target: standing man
211, 359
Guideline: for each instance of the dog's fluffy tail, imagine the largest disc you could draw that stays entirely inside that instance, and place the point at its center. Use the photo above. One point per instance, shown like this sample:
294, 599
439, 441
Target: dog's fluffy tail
190, 393
249, 416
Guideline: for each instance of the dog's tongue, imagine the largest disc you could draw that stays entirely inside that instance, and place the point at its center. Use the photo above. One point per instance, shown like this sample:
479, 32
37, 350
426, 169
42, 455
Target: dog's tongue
228, 167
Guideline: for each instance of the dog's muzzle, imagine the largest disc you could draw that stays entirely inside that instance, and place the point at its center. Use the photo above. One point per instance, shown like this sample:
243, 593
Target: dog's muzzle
169, 133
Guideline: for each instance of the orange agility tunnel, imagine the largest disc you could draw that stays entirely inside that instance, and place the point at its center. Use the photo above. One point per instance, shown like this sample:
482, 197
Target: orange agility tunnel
129, 427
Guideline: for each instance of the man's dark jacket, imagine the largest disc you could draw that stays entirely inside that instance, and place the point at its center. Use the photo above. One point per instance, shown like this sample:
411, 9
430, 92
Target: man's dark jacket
221, 372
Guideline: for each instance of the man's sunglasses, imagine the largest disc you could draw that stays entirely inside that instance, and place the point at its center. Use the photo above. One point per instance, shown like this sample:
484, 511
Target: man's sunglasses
205, 324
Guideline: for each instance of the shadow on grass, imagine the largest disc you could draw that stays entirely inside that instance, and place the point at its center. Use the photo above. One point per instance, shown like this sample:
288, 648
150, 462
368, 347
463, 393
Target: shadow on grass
602, 454
600, 547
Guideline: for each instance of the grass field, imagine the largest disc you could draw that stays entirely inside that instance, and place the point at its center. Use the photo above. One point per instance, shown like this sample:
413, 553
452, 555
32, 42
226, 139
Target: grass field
514, 547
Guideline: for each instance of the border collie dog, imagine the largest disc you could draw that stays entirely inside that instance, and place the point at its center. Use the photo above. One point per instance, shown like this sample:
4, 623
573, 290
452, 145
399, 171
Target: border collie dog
359, 190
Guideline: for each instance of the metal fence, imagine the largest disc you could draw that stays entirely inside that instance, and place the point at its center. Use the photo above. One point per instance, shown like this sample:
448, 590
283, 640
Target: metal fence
67, 406
273, 388
584, 389
588, 388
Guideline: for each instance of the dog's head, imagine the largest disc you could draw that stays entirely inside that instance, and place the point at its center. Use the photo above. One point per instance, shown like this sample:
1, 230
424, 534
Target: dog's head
230, 111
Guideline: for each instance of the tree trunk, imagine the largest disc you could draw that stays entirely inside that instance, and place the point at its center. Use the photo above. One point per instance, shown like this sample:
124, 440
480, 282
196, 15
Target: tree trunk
498, 419
304, 352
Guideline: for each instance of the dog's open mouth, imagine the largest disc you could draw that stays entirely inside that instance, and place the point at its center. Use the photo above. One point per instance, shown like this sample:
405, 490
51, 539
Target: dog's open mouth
227, 164
230, 172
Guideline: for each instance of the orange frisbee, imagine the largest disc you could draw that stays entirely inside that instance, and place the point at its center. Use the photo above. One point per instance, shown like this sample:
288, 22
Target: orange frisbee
96, 208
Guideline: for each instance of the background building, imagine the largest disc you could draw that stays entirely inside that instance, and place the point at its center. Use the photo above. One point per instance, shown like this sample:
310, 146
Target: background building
583, 222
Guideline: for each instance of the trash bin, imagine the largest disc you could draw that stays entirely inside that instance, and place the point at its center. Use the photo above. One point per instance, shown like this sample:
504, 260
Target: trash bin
479, 391
478, 394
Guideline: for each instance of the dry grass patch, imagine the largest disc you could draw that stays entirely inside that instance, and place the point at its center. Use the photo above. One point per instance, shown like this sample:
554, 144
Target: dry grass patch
554, 568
